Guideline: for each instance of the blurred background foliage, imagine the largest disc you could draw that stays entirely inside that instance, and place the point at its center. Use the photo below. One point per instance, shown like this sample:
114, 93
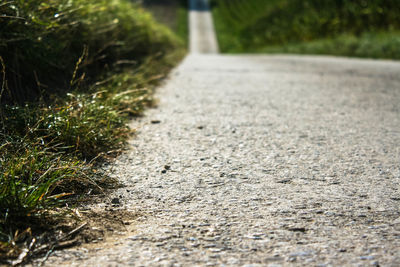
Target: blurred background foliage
290, 25
172, 13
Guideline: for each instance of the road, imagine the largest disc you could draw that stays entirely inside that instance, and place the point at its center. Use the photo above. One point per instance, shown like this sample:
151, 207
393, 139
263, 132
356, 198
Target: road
262, 160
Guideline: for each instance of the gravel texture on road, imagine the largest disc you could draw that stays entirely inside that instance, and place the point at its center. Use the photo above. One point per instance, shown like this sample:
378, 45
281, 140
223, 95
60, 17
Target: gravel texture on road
263, 161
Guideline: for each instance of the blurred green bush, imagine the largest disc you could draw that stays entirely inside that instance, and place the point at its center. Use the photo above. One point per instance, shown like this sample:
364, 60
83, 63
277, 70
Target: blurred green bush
246, 25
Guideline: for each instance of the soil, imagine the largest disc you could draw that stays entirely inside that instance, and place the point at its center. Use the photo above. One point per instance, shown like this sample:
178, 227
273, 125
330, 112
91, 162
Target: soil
90, 224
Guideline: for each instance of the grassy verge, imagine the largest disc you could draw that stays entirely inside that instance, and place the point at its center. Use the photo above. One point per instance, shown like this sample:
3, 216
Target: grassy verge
183, 22
352, 28
173, 13
72, 74
369, 45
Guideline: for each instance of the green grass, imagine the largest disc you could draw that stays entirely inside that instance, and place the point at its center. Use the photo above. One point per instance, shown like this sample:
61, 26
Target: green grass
42, 42
183, 22
173, 13
72, 74
352, 28
369, 45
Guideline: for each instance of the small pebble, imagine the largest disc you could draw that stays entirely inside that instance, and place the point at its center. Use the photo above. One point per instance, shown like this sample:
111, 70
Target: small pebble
115, 201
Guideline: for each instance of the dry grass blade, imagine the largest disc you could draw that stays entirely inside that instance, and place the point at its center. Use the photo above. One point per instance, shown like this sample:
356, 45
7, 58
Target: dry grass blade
11, 17
3, 81
74, 231
6, 3
77, 66
59, 243
24, 254
132, 91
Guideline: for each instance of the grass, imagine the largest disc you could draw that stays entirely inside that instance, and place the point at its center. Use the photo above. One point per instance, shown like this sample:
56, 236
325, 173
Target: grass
51, 47
173, 13
369, 45
352, 28
72, 74
182, 29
